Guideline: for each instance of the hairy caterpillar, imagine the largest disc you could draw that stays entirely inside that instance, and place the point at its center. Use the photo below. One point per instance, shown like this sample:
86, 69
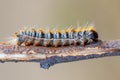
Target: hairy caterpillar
71, 36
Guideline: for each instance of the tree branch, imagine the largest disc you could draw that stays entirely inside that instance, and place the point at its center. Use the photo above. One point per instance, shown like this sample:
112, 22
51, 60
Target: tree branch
48, 56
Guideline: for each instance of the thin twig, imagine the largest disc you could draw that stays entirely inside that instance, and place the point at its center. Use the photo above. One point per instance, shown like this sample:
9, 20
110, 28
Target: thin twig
48, 56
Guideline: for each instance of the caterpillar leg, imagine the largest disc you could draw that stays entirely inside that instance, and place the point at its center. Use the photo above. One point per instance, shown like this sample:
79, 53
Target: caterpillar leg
18, 43
56, 43
29, 42
46, 42
38, 42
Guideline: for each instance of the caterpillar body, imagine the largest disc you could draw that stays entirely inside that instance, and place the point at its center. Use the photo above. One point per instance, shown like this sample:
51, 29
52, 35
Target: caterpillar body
71, 36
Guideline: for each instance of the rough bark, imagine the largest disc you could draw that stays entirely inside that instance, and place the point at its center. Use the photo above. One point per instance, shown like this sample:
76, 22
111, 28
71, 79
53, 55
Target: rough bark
48, 56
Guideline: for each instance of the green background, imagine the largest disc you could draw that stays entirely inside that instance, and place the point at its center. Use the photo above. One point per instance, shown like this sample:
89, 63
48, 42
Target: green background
104, 14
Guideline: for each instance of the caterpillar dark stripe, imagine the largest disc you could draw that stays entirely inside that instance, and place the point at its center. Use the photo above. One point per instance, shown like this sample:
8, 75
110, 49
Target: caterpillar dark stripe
39, 37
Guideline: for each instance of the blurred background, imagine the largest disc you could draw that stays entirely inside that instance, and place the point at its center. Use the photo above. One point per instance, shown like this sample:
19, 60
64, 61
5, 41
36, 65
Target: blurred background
104, 14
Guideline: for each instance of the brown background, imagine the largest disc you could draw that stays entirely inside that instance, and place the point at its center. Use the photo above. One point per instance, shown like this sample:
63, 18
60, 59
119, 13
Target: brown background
105, 14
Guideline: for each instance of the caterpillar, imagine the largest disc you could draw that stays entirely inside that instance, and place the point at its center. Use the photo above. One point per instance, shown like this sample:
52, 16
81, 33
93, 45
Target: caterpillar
56, 38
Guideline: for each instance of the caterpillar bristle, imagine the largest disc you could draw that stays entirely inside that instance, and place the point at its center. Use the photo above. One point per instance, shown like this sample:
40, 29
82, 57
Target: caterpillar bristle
91, 28
72, 29
15, 35
69, 30
78, 29
40, 30
84, 28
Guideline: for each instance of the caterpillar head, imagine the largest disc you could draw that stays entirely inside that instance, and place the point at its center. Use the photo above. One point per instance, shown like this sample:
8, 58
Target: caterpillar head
18, 39
87, 36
